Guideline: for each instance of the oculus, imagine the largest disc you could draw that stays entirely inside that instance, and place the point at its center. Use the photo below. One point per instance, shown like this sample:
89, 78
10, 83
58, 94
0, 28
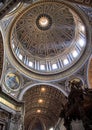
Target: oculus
44, 22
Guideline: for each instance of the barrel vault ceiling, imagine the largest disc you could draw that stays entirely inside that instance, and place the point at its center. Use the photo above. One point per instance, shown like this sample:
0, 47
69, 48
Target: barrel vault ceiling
45, 103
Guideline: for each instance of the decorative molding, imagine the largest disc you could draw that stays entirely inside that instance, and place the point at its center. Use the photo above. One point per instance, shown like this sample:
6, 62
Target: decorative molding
27, 80
10, 102
82, 2
7, 6
88, 12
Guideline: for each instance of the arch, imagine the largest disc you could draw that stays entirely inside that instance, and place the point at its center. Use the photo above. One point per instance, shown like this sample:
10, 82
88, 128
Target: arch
36, 120
52, 100
36, 84
1, 54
